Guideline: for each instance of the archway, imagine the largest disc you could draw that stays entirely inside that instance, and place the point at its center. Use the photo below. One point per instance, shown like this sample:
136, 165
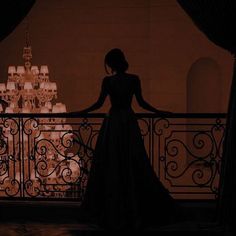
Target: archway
204, 86
203, 96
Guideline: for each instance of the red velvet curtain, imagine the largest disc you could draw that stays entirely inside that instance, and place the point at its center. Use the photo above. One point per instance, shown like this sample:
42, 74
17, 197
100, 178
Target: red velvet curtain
217, 20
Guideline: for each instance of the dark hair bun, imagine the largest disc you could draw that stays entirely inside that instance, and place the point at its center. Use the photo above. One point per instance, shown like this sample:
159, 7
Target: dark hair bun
115, 59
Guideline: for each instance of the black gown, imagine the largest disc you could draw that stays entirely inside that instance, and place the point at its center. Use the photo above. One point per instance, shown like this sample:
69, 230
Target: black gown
123, 191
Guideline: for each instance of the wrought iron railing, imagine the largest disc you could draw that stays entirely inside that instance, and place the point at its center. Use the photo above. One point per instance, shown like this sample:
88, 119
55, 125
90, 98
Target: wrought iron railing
45, 156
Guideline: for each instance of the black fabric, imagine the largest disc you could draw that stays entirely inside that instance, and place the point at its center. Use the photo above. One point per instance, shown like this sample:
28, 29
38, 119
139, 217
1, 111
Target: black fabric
12, 13
123, 191
217, 19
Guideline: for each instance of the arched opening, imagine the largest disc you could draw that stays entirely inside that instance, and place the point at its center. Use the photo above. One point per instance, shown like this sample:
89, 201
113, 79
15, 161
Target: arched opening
204, 86
203, 96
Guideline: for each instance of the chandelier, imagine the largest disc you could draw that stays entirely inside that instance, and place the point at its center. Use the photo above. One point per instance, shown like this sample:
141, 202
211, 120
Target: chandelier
42, 148
28, 89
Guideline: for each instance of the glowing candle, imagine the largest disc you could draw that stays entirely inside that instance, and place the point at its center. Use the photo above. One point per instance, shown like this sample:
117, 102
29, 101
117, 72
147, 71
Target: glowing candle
35, 70
11, 70
44, 69
28, 86
42, 85
25, 110
44, 110
11, 85
9, 110
20, 70
53, 86
2, 87
48, 105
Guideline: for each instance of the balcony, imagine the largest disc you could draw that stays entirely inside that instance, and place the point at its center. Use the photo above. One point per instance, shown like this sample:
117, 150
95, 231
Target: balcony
45, 159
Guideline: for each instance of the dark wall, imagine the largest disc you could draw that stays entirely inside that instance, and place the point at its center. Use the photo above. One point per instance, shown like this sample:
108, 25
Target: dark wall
72, 37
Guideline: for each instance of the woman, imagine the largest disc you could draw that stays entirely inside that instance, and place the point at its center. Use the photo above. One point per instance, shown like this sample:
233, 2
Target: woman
123, 191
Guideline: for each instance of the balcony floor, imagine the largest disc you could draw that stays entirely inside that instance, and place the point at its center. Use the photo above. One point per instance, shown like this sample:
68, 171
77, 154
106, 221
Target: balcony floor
74, 229
41, 219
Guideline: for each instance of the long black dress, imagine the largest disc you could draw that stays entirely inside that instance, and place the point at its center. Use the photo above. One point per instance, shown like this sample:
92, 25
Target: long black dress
123, 190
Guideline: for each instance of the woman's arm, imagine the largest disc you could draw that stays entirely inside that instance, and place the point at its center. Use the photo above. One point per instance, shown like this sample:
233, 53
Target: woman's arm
142, 103
99, 102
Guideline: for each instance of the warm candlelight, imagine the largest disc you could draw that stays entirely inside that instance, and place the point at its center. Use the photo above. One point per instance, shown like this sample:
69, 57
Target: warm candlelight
48, 105
59, 108
47, 85
20, 70
9, 110
42, 85
56, 108
11, 70
35, 70
11, 85
53, 86
2, 87
29, 90
28, 86
12, 105
25, 110
44, 69
44, 110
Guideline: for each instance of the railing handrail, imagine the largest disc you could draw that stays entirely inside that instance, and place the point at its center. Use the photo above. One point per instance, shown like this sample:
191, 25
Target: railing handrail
185, 150
102, 115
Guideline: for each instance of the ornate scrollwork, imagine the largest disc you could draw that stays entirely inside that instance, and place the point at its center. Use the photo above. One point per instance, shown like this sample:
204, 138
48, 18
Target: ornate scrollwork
12, 186
51, 158
194, 158
144, 126
162, 127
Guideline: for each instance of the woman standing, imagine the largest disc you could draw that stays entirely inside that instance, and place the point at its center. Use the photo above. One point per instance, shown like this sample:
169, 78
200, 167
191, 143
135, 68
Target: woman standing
123, 191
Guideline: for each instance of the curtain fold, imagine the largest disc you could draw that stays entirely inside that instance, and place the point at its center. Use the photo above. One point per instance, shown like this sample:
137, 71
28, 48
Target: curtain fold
12, 12
217, 20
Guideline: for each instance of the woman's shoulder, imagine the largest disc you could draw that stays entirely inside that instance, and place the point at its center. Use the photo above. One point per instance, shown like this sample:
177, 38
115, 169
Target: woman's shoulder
132, 76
